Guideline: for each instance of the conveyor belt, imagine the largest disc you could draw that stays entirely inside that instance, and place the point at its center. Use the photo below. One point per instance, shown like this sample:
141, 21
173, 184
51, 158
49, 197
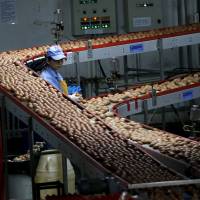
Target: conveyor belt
137, 105
55, 138
112, 154
177, 165
185, 88
71, 150
142, 42
88, 165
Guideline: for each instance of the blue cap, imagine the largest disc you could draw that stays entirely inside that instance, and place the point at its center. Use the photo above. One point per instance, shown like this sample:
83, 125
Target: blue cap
55, 52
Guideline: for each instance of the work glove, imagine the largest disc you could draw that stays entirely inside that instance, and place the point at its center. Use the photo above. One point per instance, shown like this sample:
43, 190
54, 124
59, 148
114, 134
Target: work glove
75, 97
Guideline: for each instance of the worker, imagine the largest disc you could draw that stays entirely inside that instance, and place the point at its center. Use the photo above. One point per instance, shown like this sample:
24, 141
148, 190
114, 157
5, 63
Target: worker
55, 58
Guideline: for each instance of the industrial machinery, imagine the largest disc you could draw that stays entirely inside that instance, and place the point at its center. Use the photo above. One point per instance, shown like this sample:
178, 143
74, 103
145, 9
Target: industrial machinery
194, 128
143, 15
93, 17
195, 113
114, 74
57, 31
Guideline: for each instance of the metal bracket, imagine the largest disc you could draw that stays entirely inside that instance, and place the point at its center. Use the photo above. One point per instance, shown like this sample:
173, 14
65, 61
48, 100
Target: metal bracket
76, 57
164, 184
160, 51
76, 61
145, 108
154, 97
90, 50
159, 44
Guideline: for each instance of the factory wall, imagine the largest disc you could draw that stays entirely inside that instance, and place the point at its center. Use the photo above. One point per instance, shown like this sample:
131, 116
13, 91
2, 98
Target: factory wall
34, 23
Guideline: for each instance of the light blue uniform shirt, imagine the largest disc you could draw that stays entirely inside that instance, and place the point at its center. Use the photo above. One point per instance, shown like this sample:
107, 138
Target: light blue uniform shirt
52, 76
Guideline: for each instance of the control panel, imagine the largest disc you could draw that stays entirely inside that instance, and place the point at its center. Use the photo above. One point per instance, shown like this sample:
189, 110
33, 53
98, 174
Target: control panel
93, 16
143, 15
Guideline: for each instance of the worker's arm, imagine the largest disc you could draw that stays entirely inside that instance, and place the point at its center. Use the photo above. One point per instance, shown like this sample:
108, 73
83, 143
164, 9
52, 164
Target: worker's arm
51, 81
75, 92
75, 97
64, 87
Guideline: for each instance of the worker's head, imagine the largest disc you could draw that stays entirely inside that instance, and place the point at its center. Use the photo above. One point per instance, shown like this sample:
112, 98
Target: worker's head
55, 56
